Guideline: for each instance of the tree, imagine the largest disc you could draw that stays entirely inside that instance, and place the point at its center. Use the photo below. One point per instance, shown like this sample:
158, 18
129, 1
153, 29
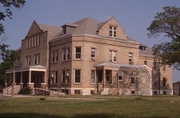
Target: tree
7, 5
167, 24
8, 57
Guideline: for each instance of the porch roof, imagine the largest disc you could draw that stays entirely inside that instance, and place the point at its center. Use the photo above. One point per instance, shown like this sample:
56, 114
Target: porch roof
29, 68
110, 64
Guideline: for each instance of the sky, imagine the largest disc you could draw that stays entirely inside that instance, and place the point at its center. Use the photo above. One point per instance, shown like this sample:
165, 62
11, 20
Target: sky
133, 15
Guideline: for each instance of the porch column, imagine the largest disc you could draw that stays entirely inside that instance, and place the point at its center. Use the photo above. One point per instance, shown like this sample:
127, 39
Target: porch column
104, 76
21, 83
29, 76
43, 84
30, 84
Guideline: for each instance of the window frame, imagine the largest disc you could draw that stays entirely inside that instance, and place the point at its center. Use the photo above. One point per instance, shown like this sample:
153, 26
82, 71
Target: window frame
79, 76
78, 53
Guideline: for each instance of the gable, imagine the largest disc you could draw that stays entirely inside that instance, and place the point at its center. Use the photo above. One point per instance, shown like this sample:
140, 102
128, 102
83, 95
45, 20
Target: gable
34, 29
104, 29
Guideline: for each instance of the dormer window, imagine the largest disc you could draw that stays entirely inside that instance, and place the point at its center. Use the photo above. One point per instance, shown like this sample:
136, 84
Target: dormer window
112, 31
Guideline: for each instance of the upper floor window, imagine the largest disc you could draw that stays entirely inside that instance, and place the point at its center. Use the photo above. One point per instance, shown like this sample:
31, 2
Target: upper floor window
112, 56
33, 41
77, 76
28, 60
130, 58
66, 54
55, 56
37, 59
78, 52
112, 31
93, 53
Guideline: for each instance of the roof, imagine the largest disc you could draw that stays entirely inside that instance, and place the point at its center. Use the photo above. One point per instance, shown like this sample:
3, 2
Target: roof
110, 64
52, 29
178, 82
147, 52
86, 26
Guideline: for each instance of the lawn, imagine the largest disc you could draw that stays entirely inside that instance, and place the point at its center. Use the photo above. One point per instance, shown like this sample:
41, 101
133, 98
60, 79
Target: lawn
91, 107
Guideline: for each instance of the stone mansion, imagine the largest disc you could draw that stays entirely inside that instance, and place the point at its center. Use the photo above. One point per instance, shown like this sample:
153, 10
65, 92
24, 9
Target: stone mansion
89, 57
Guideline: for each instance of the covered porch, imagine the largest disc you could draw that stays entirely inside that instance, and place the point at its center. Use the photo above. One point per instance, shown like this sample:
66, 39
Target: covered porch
125, 79
32, 76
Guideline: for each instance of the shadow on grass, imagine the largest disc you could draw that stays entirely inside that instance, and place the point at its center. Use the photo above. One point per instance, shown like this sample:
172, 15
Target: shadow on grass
98, 115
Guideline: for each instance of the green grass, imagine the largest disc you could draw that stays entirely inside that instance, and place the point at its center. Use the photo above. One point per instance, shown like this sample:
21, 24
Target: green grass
91, 107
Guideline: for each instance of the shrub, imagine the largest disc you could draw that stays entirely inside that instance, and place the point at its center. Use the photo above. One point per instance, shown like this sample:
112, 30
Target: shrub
25, 91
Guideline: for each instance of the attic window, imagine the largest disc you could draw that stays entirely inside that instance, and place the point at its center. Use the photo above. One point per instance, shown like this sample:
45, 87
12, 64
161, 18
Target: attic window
112, 31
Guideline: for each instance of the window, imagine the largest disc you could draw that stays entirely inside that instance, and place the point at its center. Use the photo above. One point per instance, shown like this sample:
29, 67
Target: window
132, 92
93, 74
37, 59
38, 40
54, 77
28, 60
65, 76
130, 58
93, 53
112, 56
145, 62
33, 41
77, 92
112, 31
155, 82
120, 77
132, 80
155, 92
78, 52
164, 81
164, 92
66, 54
55, 56
109, 76
77, 76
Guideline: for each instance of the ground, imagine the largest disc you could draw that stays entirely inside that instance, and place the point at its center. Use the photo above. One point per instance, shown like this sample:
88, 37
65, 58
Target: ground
91, 107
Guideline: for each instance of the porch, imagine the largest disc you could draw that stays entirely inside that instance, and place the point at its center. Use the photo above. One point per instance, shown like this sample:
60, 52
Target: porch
32, 76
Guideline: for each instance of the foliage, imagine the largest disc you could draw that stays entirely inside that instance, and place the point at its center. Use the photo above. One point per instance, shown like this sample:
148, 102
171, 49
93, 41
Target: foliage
7, 57
7, 5
25, 91
167, 23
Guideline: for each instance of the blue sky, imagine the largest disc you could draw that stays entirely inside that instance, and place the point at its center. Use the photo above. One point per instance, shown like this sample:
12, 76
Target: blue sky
133, 15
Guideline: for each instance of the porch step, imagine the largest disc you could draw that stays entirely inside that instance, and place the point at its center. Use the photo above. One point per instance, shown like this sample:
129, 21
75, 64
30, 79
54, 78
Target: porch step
46, 92
8, 90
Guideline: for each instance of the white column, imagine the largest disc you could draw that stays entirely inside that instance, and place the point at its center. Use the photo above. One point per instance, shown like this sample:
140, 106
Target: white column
29, 76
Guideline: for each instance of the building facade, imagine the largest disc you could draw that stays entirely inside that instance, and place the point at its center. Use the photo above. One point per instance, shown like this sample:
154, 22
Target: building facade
89, 57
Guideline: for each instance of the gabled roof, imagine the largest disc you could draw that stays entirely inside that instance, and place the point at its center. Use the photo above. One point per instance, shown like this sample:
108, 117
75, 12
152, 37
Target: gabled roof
53, 29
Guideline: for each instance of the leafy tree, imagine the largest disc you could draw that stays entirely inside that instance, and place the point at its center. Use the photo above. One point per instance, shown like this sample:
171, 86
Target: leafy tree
167, 23
7, 5
8, 57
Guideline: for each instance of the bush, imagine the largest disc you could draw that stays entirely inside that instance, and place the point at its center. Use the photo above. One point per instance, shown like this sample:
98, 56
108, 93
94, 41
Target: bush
25, 91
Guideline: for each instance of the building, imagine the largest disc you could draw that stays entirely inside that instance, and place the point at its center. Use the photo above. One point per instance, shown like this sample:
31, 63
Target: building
176, 88
89, 57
